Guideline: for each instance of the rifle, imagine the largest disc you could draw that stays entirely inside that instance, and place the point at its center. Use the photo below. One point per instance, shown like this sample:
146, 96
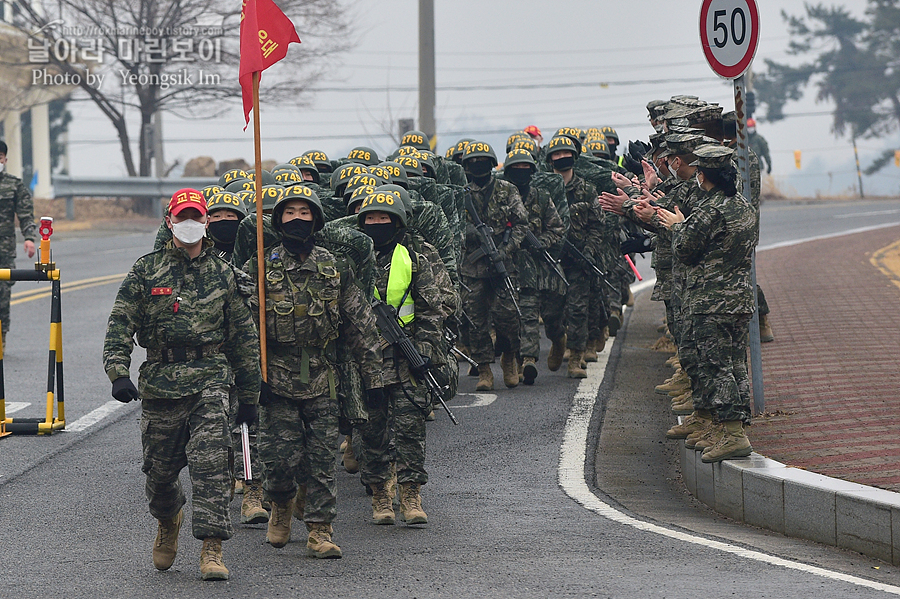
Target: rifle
488, 248
393, 333
590, 265
535, 244
451, 338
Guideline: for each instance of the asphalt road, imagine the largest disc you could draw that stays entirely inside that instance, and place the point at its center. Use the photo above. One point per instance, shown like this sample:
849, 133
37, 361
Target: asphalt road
73, 517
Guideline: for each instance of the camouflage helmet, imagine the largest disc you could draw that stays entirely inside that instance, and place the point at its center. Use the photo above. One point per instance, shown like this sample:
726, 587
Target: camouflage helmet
363, 155
231, 175
357, 181
396, 173
380, 173
563, 142
299, 192
599, 148
520, 156
210, 190
526, 144
449, 153
383, 200
267, 178
610, 134
426, 158
460, 147
406, 151
512, 139
239, 185
358, 195
287, 177
479, 149
271, 194
248, 197
416, 139
345, 172
412, 165
572, 133
284, 166
320, 159
305, 163
225, 200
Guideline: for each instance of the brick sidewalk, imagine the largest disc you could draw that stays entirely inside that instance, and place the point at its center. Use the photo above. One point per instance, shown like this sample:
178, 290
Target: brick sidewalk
832, 376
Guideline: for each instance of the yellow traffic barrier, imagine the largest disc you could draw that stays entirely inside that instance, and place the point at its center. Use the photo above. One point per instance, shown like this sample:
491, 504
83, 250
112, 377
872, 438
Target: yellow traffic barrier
44, 270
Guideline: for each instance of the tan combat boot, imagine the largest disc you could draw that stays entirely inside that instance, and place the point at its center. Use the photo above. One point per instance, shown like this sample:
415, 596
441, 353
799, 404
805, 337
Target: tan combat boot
629, 301
351, 464
520, 368
319, 543
615, 322
576, 370
382, 504
555, 359
678, 381
733, 444
211, 565
696, 422
708, 438
510, 369
590, 351
765, 331
485, 378
684, 404
411, 504
252, 510
300, 502
391, 485
166, 545
238, 487
279, 532
674, 362
529, 370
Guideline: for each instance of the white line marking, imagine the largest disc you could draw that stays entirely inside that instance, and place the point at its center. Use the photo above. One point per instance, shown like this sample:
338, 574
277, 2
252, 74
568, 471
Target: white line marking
94, 416
15, 406
862, 214
782, 244
481, 400
572, 456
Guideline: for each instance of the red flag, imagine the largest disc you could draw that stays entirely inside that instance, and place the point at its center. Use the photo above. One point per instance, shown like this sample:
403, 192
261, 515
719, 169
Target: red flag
265, 35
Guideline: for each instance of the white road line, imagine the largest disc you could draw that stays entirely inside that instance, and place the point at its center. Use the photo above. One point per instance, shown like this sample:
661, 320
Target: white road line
862, 214
572, 456
481, 400
94, 416
15, 406
782, 244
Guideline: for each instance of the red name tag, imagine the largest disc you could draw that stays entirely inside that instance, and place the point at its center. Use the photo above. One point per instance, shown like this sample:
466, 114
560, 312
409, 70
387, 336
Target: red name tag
161, 291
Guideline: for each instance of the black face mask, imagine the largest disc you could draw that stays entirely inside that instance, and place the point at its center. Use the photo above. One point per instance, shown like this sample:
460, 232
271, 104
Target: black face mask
382, 234
520, 177
297, 236
223, 231
564, 164
479, 171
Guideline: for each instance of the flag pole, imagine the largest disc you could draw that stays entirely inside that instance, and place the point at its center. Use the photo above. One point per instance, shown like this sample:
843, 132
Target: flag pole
260, 259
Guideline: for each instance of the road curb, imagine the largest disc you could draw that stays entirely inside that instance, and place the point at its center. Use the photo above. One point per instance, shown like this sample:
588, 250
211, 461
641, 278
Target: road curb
798, 503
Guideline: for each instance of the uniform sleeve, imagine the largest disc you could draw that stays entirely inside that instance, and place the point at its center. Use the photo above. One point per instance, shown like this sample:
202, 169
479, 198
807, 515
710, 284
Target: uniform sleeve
25, 212
359, 333
124, 321
242, 346
518, 217
691, 237
553, 228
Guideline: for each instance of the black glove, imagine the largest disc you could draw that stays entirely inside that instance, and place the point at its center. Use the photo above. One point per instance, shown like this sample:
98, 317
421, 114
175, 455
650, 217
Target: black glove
632, 165
246, 413
419, 372
265, 393
636, 245
124, 390
375, 398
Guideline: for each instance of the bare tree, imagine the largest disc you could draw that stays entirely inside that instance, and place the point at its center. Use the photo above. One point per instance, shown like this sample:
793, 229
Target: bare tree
177, 56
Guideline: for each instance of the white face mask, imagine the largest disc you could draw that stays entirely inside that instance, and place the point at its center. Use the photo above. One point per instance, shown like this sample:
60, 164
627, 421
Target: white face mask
2, 166
188, 231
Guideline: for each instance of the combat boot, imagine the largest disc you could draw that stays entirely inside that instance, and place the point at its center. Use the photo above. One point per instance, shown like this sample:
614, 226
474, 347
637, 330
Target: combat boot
252, 510
212, 567
351, 464
520, 367
279, 532
529, 370
629, 301
555, 359
485, 378
677, 381
411, 504
708, 438
300, 502
166, 545
238, 487
615, 322
685, 405
696, 422
765, 331
391, 485
510, 369
733, 444
590, 353
674, 362
319, 543
576, 369
382, 504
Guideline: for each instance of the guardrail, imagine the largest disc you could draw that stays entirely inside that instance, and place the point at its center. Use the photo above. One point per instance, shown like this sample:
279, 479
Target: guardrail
122, 187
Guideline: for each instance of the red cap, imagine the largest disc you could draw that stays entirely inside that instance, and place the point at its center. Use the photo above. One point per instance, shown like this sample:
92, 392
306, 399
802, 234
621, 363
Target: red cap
533, 131
751, 123
187, 198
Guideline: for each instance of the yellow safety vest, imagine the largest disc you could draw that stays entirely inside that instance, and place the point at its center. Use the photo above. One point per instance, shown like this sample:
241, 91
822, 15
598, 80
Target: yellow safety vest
399, 284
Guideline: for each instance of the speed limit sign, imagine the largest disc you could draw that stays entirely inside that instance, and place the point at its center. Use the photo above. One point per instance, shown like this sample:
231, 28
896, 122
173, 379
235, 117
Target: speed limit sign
729, 34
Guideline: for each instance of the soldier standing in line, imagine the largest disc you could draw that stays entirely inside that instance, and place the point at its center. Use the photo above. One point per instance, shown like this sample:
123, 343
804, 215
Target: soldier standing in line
311, 306
15, 200
182, 303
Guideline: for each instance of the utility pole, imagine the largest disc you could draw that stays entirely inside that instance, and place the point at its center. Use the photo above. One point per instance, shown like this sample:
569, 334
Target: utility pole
426, 71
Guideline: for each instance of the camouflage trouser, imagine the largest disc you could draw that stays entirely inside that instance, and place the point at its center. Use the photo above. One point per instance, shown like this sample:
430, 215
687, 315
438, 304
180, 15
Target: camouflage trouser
7, 260
298, 436
530, 304
670, 320
761, 300
599, 308
396, 433
687, 349
192, 432
487, 302
578, 300
721, 341
553, 311
238, 446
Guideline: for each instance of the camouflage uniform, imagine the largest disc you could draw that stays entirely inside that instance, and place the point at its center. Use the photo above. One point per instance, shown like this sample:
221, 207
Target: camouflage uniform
396, 432
172, 304
15, 201
553, 289
716, 244
313, 303
486, 300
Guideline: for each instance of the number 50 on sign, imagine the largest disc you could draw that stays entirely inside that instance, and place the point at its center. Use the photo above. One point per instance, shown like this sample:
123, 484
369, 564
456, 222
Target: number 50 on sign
729, 34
